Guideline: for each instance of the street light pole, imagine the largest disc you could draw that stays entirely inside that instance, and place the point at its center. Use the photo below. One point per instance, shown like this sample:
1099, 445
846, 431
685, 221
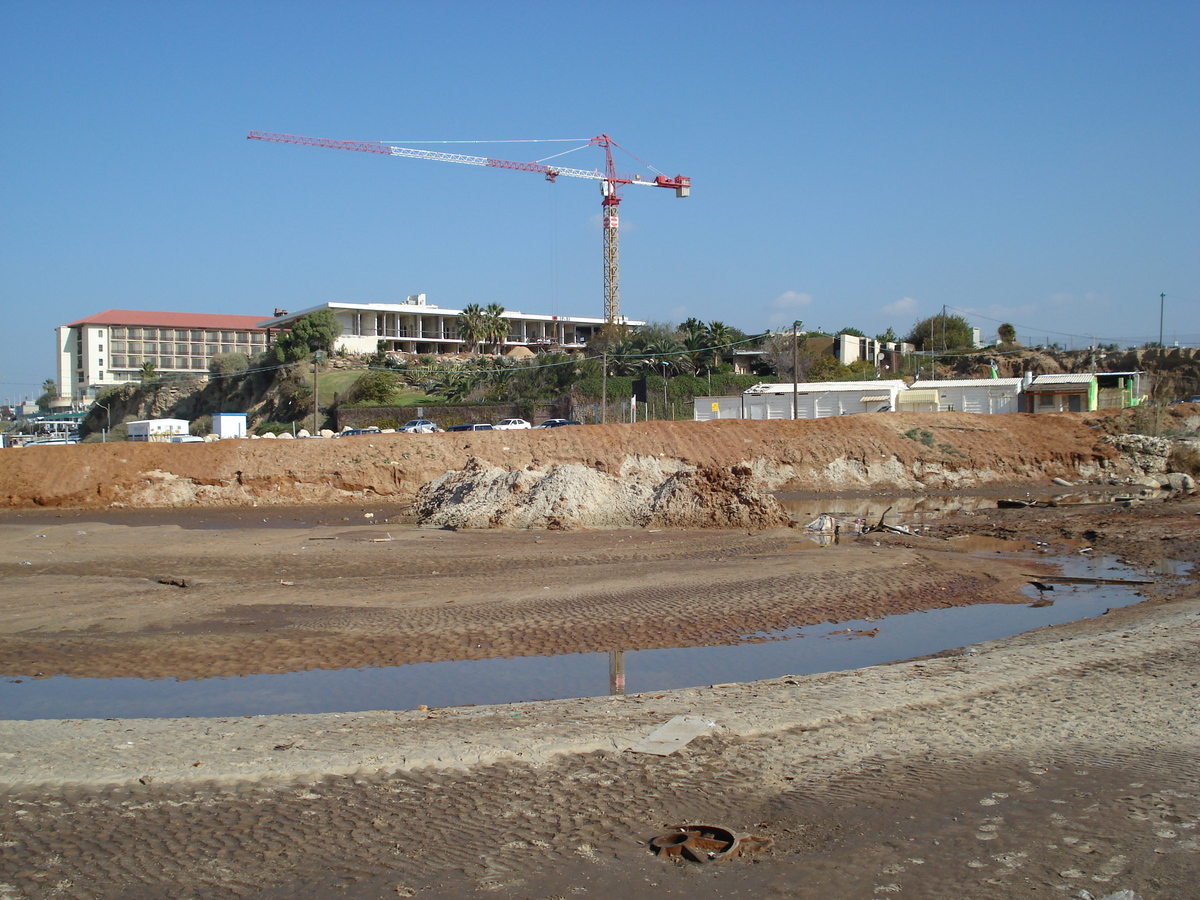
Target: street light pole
1162, 300
665, 364
107, 422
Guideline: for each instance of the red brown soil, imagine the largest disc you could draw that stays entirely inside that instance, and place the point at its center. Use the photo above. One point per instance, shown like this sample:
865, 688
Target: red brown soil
872, 448
973, 783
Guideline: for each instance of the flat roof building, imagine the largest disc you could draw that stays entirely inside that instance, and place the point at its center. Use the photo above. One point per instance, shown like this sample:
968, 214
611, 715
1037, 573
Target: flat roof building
109, 348
416, 326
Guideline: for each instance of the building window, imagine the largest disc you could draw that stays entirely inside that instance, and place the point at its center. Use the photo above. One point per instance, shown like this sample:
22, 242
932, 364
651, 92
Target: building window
118, 333
100, 364
118, 362
99, 348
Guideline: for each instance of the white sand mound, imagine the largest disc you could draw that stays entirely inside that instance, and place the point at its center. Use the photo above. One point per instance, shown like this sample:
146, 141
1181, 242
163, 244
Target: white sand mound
574, 496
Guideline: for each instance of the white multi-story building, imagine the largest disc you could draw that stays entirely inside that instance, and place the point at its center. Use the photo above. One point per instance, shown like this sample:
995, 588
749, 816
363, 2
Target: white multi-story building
110, 348
416, 326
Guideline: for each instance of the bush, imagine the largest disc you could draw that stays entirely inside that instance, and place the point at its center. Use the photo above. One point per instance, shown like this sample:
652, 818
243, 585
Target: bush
201, 426
373, 387
273, 428
229, 364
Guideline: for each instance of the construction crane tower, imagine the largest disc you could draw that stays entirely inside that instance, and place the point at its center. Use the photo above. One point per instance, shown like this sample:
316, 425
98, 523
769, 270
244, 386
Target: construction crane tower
610, 182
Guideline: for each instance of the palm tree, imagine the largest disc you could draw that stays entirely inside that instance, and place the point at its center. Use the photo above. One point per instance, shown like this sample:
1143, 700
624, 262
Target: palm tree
696, 352
471, 322
660, 351
148, 371
719, 336
692, 327
495, 326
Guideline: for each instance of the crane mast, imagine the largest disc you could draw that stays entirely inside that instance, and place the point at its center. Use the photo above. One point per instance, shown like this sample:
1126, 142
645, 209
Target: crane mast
610, 180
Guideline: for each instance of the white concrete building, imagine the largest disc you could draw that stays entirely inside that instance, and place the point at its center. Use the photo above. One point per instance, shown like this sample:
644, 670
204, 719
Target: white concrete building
973, 395
416, 326
109, 348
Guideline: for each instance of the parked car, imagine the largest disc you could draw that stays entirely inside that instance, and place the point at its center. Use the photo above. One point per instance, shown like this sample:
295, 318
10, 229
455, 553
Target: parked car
419, 426
186, 439
512, 424
350, 432
557, 423
479, 426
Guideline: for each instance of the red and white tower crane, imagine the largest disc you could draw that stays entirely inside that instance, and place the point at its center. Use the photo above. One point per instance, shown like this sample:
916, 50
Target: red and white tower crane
610, 181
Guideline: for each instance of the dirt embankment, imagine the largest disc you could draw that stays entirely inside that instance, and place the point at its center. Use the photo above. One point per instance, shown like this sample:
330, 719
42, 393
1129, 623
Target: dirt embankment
905, 451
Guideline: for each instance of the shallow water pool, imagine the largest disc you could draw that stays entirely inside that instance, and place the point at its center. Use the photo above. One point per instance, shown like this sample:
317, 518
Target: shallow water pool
792, 651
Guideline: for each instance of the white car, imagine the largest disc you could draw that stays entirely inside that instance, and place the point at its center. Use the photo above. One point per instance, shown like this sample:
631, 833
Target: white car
419, 426
512, 424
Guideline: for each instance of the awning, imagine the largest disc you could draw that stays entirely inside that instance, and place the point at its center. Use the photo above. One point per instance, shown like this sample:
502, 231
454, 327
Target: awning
880, 399
912, 398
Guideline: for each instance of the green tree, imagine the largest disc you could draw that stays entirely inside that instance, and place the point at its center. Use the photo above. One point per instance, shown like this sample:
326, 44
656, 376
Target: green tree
888, 337
49, 394
854, 332
148, 372
942, 332
719, 337
471, 326
1007, 334
375, 386
317, 331
495, 326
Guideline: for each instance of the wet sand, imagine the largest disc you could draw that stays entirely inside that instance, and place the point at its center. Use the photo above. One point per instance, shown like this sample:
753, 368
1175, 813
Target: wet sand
1036, 766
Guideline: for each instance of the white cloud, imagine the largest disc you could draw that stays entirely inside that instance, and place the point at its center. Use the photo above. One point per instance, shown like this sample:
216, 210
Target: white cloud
784, 308
905, 306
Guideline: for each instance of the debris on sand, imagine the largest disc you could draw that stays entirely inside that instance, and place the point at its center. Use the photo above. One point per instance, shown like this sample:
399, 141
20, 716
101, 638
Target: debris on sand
707, 843
575, 496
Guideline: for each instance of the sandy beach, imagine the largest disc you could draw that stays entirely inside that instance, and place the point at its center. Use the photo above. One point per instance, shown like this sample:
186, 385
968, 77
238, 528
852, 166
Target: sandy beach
1041, 765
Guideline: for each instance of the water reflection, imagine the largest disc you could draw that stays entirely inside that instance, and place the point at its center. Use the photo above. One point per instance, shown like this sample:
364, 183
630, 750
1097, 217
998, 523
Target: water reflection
917, 509
791, 651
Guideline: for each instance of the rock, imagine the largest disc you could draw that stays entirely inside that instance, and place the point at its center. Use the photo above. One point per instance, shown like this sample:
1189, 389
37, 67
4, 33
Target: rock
1180, 481
575, 496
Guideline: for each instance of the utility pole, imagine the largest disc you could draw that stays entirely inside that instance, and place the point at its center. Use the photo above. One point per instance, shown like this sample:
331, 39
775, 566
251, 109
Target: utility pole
796, 369
604, 388
316, 396
1162, 300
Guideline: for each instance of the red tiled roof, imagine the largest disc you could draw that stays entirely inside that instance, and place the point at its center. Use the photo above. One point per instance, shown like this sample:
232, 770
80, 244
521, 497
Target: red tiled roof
143, 319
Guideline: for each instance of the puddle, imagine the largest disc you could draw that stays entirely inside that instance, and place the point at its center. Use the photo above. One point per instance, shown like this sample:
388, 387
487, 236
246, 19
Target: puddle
794, 651
917, 509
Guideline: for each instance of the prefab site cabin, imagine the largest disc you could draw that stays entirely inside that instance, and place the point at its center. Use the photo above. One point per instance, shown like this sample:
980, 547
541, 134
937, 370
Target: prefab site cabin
973, 395
819, 400
1061, 393
706, 409
155, 429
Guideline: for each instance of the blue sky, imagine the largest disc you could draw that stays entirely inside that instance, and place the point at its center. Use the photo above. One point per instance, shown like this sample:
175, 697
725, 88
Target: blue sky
853, 163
